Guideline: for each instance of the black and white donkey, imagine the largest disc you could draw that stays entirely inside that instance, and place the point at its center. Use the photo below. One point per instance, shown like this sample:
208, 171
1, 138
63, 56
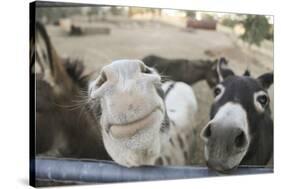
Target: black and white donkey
240, 131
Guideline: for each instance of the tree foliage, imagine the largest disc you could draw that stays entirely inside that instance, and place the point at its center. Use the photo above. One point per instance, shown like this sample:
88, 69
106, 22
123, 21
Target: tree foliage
256, 29
229, 22
190, 14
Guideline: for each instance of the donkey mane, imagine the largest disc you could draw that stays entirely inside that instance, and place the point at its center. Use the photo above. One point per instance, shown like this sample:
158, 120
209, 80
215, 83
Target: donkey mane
75, 69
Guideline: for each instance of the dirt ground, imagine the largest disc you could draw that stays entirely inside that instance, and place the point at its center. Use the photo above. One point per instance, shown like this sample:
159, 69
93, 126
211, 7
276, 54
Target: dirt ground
134, 40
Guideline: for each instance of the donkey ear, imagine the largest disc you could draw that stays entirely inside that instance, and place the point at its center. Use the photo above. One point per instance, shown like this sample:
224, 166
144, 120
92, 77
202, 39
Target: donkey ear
47, 62
222, 70
266, 80
43, 51
247, 73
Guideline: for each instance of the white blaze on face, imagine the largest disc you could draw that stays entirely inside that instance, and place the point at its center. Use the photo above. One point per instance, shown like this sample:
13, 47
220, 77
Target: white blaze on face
230, 115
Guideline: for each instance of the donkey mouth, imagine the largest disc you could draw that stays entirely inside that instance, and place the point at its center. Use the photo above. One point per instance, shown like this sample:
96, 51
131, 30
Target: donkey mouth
130, 129
227, 171
221, 169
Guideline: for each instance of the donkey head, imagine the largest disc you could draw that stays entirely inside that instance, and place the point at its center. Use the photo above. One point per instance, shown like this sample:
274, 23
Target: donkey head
241, 128
127, 100
212, 76
62, 128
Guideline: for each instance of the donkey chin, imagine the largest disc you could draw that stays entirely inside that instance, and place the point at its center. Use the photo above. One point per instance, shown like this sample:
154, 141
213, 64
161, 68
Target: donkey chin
136, 142
225, 165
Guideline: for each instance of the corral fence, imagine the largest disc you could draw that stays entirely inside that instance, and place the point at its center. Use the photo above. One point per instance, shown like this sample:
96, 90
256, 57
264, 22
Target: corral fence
94, 171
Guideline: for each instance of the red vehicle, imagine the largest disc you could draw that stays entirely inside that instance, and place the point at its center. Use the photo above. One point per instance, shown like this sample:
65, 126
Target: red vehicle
202, 24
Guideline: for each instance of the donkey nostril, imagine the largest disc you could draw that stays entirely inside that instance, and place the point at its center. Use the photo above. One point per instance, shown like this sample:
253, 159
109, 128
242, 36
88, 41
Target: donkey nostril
240, 140
102, 79
207, 132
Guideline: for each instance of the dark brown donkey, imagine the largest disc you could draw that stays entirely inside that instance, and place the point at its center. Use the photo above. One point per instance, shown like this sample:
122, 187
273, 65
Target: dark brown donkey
63, 128
188, 71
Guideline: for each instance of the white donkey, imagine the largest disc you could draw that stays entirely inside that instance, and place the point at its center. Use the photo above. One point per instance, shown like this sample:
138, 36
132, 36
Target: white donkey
142, 121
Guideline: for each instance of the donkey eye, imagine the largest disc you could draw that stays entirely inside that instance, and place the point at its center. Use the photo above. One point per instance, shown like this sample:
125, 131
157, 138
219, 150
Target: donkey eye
263, 100
101, 80
217, 91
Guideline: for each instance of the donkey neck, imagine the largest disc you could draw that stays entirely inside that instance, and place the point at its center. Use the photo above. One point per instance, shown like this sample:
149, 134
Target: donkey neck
194, 71
261, 147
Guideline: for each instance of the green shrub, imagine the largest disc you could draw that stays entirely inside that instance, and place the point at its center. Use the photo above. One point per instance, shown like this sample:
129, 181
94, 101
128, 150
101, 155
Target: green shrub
256, 29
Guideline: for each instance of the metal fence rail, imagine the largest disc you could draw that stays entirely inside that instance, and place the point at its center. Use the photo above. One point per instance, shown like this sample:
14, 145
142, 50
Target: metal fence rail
86, 171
